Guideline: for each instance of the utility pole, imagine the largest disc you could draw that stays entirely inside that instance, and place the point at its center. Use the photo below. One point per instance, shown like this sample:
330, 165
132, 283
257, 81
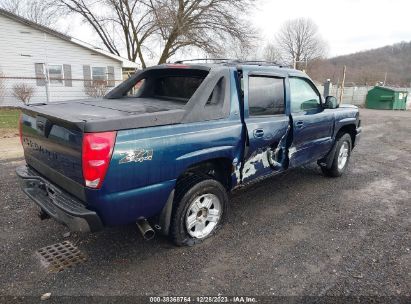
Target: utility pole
337, 87
342, 85
385, 79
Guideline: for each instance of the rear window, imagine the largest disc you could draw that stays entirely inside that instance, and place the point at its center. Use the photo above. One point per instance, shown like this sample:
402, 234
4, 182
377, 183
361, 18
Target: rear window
163, 84
177, 87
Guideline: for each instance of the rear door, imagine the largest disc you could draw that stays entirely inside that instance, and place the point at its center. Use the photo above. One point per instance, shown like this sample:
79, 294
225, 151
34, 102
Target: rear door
312, 125
266, 123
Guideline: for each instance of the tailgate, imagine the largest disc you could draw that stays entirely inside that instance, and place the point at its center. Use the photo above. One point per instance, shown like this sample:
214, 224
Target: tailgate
53, 147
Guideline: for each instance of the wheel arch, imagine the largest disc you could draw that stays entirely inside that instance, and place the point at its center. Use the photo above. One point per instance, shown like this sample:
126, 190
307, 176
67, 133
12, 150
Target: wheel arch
222, 168
219, 168
349, 129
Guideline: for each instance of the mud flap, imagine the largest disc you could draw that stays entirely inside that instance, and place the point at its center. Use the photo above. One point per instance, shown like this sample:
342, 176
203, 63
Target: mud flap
165, 215
327, 161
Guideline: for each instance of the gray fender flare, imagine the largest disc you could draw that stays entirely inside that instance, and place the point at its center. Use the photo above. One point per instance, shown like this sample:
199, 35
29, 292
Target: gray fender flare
165, 215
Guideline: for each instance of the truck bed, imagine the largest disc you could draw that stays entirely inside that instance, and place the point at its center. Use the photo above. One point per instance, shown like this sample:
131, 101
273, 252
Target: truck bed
53, 134
99, 115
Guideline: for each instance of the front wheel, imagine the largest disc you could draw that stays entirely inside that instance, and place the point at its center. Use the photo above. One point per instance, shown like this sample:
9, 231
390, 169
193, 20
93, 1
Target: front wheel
341, 157
201, 205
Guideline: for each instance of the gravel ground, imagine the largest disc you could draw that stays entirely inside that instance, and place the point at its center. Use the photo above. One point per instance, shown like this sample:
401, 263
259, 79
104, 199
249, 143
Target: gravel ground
297, 234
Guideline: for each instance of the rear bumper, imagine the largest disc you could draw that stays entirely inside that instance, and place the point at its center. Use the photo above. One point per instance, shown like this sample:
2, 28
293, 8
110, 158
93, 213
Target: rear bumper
57, 203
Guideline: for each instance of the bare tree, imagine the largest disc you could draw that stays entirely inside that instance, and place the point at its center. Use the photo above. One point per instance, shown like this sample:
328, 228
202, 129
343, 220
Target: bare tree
299, 42
171, 25
43, 12
96, 88
235, 49
272, 53
23, 92
205, 24
118, 23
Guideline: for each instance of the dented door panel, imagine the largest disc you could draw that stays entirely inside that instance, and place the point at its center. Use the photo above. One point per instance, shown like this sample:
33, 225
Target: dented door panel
267, 136
266, 153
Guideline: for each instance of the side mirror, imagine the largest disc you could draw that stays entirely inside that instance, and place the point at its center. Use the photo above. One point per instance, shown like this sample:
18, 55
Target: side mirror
330, 102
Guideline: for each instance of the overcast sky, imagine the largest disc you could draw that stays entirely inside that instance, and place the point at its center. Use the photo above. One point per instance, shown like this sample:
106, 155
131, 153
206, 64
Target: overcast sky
347, 25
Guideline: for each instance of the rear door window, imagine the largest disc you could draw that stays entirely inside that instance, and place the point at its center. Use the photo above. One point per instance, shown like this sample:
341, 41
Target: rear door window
265, 96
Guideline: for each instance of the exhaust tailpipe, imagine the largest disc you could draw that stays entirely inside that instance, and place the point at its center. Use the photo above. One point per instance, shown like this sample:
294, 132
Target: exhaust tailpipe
146, 231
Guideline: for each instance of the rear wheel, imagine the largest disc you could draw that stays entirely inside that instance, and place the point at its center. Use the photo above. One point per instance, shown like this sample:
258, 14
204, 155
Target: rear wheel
201, 205
341, 157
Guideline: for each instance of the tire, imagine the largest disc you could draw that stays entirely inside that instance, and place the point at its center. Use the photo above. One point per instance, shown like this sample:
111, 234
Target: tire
192, 209
339, 165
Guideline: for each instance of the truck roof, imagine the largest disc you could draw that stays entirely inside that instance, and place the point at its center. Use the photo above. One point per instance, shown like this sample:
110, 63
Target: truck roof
239, 64
120, 111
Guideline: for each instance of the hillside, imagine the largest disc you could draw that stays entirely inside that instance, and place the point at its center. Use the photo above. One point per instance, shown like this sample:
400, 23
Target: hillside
368, 67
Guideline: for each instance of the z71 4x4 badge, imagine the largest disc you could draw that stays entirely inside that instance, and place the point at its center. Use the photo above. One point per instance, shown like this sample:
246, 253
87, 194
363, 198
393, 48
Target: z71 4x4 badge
136, 156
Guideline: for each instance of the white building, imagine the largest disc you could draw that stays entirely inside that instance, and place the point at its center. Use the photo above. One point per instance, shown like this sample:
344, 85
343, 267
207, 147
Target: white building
52, 65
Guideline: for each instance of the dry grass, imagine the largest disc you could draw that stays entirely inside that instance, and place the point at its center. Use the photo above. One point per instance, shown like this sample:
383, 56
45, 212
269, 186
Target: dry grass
9, 119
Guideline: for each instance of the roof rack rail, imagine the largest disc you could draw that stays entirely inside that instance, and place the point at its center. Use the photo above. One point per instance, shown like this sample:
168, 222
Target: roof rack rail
234, 61
260, 62
223, 60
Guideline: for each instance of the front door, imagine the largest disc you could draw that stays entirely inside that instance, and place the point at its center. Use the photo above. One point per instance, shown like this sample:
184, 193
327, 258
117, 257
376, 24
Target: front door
267, 125
312, 125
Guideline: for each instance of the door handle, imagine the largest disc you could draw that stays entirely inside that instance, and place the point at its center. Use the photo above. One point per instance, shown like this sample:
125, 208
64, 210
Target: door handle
258, 133
299, 124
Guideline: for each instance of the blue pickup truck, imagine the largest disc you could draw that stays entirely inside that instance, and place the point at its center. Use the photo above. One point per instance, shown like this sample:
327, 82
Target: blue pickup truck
166, 147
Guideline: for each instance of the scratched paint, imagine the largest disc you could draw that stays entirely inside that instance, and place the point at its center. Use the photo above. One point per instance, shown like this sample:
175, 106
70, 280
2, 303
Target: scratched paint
250, 166
276, 158
291, 151
273, 159
237, 172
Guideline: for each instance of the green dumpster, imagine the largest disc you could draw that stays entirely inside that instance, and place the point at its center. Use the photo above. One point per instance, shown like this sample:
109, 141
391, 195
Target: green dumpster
385, 98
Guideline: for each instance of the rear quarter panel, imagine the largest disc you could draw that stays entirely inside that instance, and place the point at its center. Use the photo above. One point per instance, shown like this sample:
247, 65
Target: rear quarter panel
136, 187
140, 187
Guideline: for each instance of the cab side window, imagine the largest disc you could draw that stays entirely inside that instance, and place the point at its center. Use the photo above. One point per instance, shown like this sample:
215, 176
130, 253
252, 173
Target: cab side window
303, 96
265, 96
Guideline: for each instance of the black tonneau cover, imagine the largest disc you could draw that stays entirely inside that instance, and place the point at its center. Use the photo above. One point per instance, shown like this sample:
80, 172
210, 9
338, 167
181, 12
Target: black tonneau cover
120, 112
99, 115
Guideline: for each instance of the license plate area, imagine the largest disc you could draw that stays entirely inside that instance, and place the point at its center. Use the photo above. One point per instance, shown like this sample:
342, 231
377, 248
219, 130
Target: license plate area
43, 192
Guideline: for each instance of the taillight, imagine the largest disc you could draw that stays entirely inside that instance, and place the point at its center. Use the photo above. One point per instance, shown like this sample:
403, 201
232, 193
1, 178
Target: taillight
97, 151
21, 127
